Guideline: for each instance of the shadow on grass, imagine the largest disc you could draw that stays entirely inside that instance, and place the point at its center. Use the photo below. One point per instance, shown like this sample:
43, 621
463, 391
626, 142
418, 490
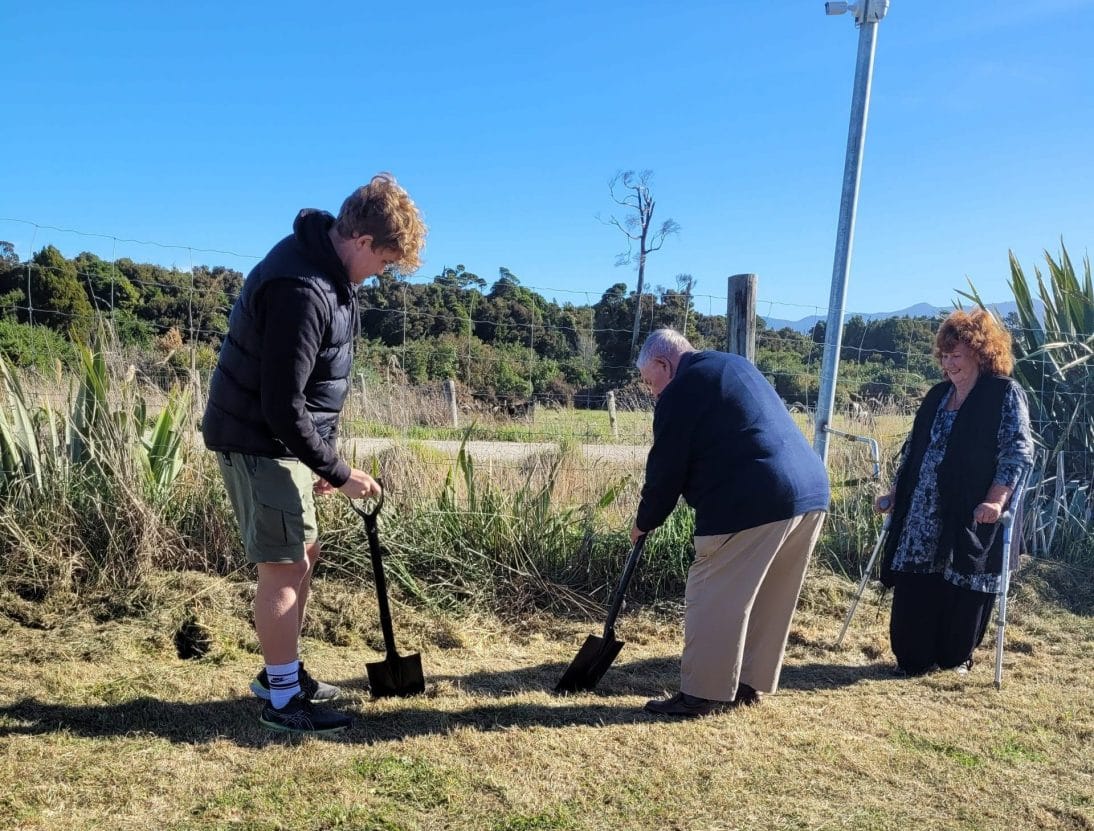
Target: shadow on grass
815, 676
236, 720
645, 677
652, 676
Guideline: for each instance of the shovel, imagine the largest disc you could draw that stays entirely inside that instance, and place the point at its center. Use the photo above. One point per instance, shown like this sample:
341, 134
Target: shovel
597, 654
395, 675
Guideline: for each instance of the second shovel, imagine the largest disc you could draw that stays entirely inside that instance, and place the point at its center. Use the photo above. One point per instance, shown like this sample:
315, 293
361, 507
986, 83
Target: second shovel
597, 654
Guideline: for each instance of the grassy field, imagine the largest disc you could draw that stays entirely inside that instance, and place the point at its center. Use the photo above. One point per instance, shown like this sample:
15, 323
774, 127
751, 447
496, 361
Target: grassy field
571, 425
103, 726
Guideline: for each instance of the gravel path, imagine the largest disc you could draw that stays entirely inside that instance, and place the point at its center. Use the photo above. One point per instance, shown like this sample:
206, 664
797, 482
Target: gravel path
508, 451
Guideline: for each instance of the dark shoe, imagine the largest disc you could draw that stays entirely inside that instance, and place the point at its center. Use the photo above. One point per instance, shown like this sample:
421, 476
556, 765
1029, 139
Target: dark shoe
747, 696
301, 716
683, 705
313, 690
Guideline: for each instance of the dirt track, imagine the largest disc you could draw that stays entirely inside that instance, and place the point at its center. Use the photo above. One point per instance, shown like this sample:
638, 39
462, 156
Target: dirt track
505, 451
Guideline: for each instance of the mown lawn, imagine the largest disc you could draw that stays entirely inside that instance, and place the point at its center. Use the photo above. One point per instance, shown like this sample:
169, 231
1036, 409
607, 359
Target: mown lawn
103, 726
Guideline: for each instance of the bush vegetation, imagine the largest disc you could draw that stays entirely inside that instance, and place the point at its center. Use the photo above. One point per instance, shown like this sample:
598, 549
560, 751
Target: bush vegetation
505, 343
101, 482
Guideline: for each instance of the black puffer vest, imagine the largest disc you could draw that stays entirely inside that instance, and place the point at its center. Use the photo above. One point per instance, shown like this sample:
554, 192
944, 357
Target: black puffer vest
233, 418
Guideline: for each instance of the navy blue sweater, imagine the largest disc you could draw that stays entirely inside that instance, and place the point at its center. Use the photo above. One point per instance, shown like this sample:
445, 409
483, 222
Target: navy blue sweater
723, 440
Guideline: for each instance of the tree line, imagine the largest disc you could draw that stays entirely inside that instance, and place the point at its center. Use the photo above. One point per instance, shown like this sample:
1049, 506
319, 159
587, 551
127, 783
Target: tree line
502, 340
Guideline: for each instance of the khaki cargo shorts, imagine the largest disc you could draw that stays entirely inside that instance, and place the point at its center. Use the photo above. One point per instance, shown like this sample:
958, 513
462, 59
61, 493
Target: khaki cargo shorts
274, 503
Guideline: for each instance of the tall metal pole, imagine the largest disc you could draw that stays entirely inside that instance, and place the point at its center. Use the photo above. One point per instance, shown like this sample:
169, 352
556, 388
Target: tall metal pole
868, 13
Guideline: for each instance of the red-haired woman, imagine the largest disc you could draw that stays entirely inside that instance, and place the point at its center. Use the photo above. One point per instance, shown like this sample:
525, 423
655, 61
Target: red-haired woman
969, 448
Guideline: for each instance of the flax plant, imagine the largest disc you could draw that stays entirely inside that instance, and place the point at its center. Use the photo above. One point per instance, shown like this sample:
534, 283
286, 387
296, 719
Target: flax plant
80, 487
20, 454
1054, 357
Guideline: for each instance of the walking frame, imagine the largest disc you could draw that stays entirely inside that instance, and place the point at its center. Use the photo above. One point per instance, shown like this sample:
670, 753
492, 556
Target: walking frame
1007, 521
875, 457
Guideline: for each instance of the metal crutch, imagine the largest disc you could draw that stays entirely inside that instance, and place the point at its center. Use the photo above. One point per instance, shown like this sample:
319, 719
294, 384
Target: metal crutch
875, 458
865, 578
1004, 578
1004, 584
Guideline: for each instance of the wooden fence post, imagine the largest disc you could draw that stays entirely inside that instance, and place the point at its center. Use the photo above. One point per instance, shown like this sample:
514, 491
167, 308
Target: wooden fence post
741, 316
450, 396
611, 414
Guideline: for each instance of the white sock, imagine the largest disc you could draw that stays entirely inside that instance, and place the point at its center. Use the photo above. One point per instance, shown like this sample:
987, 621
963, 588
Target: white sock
284, 681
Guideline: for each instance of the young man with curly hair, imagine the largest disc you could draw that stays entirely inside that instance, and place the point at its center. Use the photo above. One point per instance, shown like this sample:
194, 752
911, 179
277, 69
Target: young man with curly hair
280, 382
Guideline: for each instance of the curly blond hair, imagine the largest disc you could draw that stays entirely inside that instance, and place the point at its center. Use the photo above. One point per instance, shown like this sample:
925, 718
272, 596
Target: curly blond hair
383, 210
980, 332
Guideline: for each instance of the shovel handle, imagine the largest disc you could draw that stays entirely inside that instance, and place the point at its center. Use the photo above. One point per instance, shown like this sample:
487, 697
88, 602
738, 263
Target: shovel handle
621, 589
365, 513
376, 553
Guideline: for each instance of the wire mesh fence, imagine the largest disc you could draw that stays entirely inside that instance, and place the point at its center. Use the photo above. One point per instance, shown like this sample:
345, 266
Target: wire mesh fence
438, 364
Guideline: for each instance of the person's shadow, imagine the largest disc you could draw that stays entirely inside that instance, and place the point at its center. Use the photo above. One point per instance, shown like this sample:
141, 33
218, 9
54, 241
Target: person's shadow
236, 719
820, 676
652, 676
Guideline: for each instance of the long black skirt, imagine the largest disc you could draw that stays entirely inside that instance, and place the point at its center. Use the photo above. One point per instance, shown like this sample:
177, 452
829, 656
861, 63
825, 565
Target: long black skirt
935, 623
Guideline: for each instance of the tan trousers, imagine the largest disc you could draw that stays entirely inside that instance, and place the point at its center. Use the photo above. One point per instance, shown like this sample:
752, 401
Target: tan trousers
740, 598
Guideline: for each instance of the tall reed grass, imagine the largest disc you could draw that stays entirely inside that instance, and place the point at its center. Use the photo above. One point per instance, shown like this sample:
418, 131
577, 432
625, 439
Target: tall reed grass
82, 489
101, 496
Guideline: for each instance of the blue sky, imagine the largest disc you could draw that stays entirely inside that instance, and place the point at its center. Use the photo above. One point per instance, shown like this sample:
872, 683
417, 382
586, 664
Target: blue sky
207, 125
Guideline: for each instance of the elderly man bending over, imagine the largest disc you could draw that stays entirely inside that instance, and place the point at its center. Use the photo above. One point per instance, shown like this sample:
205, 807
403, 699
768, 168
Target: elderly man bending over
723, 440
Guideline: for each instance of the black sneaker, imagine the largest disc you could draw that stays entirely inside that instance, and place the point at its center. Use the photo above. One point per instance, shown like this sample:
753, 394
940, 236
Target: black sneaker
301, 716
313, 690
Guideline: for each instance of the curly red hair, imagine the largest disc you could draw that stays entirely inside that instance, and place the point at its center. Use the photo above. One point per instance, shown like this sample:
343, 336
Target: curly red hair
983, 334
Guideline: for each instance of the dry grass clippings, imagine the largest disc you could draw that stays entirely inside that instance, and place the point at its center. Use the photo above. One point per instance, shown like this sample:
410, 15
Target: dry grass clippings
102, 724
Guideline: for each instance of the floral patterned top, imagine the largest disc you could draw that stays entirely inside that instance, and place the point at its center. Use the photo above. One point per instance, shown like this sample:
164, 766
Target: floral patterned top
916, 548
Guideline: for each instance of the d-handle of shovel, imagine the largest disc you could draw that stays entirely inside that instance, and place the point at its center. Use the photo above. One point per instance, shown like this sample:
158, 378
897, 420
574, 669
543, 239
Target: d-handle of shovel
621, 589
377, 555
369, 514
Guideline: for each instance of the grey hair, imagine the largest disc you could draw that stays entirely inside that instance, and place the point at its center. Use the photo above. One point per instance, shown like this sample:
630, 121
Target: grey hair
663, 343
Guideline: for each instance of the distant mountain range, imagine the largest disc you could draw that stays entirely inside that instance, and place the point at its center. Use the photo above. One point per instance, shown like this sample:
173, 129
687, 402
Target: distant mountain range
918, 310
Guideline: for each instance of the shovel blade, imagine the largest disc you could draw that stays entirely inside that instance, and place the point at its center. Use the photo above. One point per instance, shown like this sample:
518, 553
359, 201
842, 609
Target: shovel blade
589, 665
396, 676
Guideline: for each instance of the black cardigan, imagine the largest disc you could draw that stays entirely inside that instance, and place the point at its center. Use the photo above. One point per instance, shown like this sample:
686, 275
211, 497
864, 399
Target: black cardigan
965, 475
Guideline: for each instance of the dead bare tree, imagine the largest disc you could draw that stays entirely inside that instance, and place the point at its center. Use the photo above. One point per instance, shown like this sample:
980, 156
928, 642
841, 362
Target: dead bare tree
632, 191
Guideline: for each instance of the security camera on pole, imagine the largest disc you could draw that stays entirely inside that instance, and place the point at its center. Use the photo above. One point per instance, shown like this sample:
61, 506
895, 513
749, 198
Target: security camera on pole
867, 14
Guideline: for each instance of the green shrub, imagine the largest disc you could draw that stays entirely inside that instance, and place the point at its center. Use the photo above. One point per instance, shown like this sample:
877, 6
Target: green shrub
35, 347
